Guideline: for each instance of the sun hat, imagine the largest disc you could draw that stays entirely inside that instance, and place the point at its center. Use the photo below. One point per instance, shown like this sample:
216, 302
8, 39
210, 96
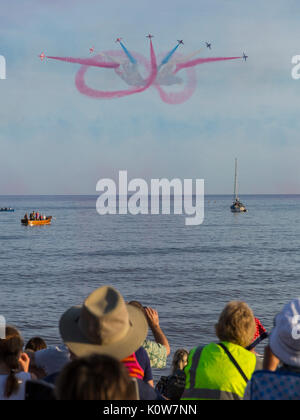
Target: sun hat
104, 324
285, 337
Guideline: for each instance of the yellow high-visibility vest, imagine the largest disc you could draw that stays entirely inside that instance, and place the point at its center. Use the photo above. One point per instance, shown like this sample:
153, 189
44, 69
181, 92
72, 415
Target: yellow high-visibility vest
211, 375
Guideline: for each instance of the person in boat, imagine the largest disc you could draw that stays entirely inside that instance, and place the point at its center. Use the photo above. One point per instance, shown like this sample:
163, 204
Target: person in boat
26, 217
237, 204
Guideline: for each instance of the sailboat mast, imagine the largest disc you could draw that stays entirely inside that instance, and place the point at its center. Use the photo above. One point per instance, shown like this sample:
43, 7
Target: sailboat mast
236, 193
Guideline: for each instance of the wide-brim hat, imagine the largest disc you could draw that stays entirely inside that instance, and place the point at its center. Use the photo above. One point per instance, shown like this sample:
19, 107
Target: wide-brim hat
284, 338
104, 324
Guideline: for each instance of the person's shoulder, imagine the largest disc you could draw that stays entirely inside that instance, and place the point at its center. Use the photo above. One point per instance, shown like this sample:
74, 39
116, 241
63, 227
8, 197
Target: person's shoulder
154, 346
141, 351
157, 354
141, 354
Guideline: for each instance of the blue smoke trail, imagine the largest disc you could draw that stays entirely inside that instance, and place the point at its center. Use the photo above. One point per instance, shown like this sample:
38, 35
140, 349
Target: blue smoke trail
169, 56
131, 58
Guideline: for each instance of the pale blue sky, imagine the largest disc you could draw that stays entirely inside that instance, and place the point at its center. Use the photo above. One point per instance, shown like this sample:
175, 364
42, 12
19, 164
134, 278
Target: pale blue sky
54, 140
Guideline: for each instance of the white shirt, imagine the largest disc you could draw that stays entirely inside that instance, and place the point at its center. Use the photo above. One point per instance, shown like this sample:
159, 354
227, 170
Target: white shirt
20, 394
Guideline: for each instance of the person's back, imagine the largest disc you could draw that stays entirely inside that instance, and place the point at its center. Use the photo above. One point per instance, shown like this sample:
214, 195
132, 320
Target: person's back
222, 371
19, 394
282, 383
172, 386
12, 362
216, 377
138, 366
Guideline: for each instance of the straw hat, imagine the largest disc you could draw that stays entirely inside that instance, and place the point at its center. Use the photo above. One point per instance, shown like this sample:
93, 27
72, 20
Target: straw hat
104, 324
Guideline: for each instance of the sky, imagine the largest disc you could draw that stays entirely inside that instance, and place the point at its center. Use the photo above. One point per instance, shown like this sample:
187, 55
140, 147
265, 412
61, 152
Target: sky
56, 141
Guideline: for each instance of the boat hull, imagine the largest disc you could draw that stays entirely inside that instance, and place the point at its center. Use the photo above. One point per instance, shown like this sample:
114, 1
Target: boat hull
239, 210
37, 222
7, 211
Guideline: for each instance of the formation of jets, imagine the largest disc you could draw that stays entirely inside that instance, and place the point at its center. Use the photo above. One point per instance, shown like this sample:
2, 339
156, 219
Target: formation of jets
42, 56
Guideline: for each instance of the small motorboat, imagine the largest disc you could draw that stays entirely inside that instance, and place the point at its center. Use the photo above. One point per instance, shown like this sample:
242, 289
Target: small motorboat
28, 222
6, 210
237, 206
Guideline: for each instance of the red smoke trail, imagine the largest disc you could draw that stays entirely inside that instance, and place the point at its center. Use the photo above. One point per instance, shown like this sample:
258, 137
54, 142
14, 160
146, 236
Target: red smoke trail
87, 62
194, 63
98, 94
177, 98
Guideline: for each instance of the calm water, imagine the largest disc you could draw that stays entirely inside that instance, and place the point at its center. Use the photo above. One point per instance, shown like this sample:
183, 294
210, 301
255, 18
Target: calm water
187, 273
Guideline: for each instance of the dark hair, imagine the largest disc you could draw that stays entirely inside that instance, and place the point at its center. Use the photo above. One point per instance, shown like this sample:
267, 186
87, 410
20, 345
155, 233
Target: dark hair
95, 378
36, 344
10, 348
178, 362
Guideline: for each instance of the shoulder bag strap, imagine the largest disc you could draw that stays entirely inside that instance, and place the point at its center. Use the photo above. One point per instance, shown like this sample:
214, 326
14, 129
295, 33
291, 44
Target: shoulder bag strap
234, 362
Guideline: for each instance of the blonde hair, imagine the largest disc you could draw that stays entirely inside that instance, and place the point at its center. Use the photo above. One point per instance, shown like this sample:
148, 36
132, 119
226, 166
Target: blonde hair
236, 324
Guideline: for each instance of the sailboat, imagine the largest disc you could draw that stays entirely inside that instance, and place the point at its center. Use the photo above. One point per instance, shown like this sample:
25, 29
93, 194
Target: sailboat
237, 206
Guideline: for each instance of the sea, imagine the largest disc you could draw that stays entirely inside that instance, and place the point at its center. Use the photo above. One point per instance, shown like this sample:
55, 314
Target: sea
187, 273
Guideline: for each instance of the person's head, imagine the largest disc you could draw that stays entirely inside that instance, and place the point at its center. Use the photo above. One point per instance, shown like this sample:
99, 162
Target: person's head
236, 324
180, 359
49, 361
104, 324
95, 378
36, 344
10, 351
285, 337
